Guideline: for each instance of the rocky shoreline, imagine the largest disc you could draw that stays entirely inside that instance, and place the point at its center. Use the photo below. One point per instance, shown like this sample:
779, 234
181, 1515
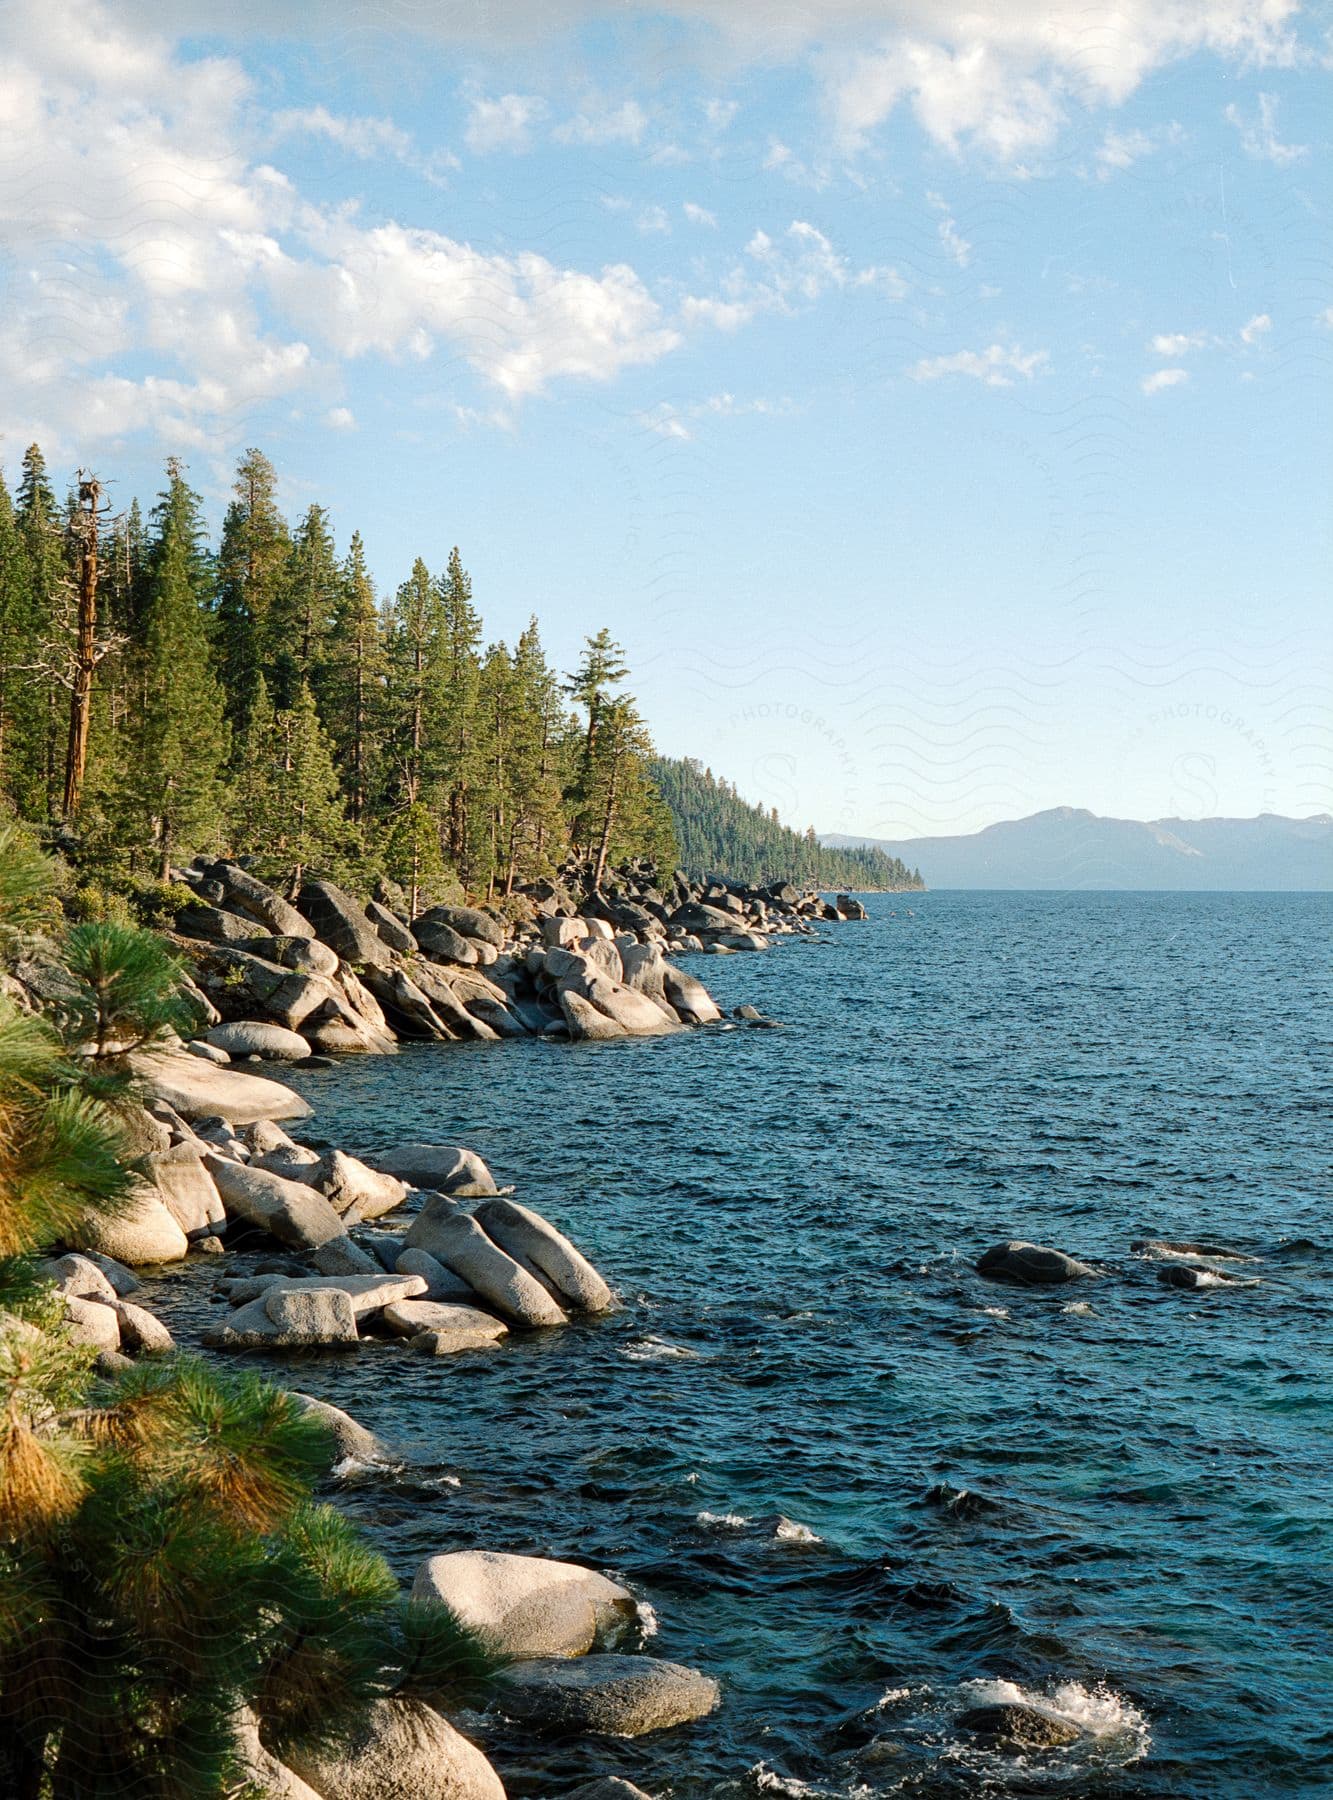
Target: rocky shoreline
417, 1243
333, 974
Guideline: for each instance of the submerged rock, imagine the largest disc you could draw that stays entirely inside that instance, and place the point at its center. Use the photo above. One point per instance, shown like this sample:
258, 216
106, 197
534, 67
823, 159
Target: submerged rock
441, 1327
623, 1696
353, 1441
1031, 1265
1185, 1275
529, 1606
1010, 1726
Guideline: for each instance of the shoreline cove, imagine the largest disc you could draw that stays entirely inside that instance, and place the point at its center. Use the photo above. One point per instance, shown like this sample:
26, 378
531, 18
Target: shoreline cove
991, 1471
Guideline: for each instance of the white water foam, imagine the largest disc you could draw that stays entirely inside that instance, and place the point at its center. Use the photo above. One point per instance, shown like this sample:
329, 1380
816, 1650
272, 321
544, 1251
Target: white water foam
1095, 1712
648, 1625
790, 1531
655, 1349
1079, 1308
711, 1521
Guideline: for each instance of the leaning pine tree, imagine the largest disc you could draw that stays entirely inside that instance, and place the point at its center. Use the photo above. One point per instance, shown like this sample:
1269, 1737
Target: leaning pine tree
169, 1588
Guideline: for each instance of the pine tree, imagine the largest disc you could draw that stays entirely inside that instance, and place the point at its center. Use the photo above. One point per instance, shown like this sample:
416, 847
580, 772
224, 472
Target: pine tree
462, 676
355, 680
592, 685
311, 824
181, 742
252, 571
22, 712
41, 528
163, 1564
255, 768
536, 819
304, 609
416, 647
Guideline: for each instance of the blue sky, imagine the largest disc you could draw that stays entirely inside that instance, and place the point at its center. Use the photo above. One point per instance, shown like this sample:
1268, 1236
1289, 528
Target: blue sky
934, 399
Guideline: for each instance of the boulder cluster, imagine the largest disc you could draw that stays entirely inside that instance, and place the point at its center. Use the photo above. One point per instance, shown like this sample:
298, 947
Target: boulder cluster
324, 972
217, 1165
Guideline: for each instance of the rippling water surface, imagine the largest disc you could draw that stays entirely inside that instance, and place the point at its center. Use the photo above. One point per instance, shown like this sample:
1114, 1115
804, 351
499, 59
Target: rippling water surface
859, 1484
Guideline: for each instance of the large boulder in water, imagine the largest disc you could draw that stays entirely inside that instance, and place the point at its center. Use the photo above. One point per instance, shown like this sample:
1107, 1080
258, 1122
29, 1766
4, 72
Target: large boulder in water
526, 1605
619, 1696
461, 1245
352, 1440
295, 1214
188, 1191
1030, 1265
532, 1240
404, 1751
443, 1168
690, 998
446, 1325
198, 1090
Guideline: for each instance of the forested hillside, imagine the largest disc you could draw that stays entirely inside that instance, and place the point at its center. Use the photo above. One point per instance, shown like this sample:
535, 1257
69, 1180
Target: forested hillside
160, 697
719, 833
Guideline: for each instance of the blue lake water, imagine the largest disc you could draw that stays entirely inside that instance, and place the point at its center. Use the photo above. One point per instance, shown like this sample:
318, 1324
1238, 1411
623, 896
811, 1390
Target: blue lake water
1116, 1496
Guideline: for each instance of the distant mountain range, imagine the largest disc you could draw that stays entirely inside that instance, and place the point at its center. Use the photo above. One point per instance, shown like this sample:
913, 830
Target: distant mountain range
1069, 847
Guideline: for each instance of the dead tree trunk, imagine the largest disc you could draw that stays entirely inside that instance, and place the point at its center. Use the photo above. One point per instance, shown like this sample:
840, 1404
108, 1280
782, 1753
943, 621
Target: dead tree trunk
85, 648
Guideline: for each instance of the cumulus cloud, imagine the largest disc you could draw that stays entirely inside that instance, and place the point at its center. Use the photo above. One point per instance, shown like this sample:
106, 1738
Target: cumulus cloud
998, 74
505, 123
366, 138
1258, 327
1164, 378
1178, 343
1258, 134
996, 366
340, 418
623, 124
164, 279
699, 215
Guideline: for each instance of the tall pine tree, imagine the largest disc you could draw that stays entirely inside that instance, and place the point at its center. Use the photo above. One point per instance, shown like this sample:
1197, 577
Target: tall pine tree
179, 748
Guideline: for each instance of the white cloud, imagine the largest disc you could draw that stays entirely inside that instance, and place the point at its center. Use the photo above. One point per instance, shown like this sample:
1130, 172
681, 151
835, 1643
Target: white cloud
623, 124
955, 244
720, 113
668, 420
699, 215
1326, 318
1258, 135
1164, 378
366, 138
998, 74
137, 221
653, 220
505, 123
1258, 326
784, 274
995, 366
1178, 343
1122, 149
